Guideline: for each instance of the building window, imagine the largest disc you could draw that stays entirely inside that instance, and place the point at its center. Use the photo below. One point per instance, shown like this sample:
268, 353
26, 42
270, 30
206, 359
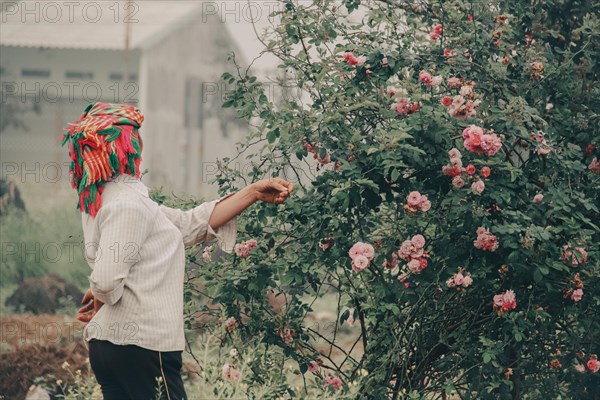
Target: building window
35, 73
115, 76
79, 75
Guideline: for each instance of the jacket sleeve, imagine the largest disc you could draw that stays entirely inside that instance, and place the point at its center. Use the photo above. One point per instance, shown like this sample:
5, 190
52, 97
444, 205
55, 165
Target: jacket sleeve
124, 226
194, 227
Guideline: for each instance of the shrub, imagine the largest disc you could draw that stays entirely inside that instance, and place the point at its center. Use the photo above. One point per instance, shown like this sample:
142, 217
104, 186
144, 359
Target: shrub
458, 142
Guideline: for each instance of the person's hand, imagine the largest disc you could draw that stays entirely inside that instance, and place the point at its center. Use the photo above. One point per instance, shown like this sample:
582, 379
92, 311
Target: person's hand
273, 190
91, 305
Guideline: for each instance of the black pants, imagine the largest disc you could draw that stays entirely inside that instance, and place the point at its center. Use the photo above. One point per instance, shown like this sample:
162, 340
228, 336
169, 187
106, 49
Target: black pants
131, 372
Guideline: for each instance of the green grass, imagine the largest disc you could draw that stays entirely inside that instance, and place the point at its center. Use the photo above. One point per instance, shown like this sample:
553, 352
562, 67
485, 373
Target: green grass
48, 238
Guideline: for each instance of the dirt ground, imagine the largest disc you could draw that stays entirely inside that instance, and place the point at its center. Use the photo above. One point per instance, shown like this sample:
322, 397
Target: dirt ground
33, 346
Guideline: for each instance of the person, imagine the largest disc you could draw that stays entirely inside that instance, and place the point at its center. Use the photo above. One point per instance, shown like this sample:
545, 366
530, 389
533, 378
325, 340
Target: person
134, 308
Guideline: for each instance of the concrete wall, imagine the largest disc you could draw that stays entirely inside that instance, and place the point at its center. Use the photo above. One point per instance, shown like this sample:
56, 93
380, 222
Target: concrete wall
44, 104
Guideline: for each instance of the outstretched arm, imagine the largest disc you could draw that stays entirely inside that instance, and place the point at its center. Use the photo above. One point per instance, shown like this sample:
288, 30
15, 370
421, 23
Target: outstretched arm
274, 190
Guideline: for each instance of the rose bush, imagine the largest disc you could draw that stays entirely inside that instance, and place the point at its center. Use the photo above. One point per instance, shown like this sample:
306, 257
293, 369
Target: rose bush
446, 158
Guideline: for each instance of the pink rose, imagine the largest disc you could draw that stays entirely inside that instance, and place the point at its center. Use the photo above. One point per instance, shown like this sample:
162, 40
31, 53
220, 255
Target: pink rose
401, 106
438, 29
459, 279
415, 107
230, 324
287, 335
462, 109
470, 169
360, 262
479, 142
225, 371
473, 131
414, 266
468, 280
509, 301
418, 241
505, 302
574, 256
353, 60
485, 240
243, 249
425, 77
425, 205
436, 81
206, 253
413, 199
454, 153
580, 368
406, 249
466, 90
334, 382
448, 53
458, 182
446, 101
457, 162
577, 295
593, 364
477, 187
452, 170
324, 244
314, 366
368, 251
498, 300
594, 166
538, 198
454, 83
485, 172
230, 372
361, 248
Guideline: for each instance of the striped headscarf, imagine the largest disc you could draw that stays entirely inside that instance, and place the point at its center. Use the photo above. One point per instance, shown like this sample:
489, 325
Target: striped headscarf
103, 143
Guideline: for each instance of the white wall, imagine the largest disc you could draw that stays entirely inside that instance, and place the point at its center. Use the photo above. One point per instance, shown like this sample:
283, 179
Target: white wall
35, 150
176, 155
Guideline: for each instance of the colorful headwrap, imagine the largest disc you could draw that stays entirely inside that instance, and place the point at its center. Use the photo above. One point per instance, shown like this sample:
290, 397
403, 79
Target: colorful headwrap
104, 143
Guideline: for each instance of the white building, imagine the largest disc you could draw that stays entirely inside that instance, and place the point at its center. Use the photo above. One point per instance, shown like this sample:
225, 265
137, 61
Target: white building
164, 56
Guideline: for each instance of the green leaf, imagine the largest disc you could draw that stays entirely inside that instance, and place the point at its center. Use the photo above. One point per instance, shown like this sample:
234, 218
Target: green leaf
303, 368
537, 276
272, 136
487, 357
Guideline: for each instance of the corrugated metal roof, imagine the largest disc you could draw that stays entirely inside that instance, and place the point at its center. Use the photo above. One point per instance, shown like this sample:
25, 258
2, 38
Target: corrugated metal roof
87, 24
